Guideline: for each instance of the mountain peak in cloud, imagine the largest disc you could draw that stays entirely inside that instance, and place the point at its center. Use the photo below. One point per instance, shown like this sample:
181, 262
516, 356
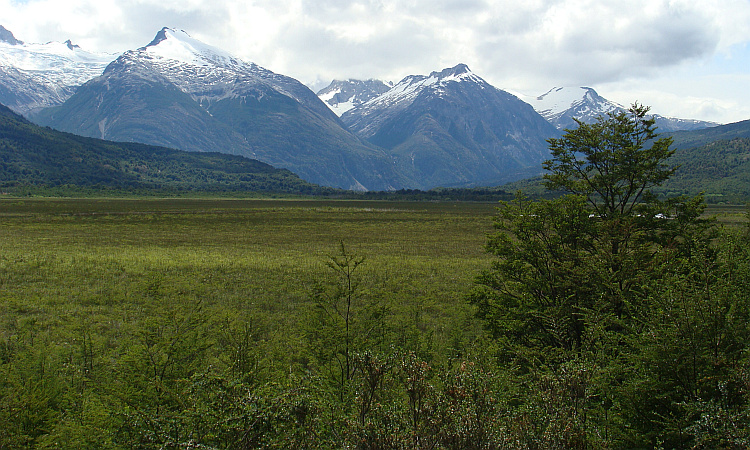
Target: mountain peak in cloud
160, 37
177, 45
7, 36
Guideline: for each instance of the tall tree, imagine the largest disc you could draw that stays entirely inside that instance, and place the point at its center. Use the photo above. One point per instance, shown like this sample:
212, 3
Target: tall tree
613, 162
579, 281
587, 257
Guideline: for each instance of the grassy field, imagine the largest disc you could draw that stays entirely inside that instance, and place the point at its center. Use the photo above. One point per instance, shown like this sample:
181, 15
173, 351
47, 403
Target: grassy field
134, 323
62, 260
106, 266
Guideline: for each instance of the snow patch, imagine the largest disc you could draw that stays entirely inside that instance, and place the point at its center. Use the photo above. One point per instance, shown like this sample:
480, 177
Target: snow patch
179, 46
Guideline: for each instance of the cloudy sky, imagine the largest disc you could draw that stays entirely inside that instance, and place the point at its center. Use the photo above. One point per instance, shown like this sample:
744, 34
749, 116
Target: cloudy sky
684, 58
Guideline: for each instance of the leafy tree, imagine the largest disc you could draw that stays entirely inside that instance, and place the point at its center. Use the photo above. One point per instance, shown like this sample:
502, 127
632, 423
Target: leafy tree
586, 256
576, 278
613, 162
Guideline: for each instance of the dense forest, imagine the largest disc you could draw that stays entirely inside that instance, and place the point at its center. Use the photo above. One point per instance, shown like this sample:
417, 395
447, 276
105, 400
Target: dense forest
606, 317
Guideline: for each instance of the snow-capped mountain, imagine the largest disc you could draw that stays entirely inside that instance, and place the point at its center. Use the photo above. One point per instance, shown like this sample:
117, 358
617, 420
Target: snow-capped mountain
209, 74
669, 124
365, 120
341, 96
453, 128
560, 105
36, 76
181, 93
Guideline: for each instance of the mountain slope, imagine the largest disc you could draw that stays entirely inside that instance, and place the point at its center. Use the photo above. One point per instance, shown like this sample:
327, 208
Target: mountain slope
341, 96
32, 155
720, 169
560, 105
697, 138
179, 92
36, 76
453, 128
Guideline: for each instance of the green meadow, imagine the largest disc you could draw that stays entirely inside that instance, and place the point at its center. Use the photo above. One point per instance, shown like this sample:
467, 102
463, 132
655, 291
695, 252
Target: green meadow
96, 294
99, 261
227, 323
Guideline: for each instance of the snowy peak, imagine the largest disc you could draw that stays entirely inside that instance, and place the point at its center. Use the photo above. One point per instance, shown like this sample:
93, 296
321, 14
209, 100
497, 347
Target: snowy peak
207, 74
407, 90
37, 76
341, 96
461, 72
452, 128
177, 45
560, 105
160, 36
7, 37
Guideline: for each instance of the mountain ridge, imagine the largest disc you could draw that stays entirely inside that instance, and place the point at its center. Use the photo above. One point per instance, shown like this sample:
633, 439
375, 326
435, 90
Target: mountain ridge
37, 76
561, 106
452, 128
185, 94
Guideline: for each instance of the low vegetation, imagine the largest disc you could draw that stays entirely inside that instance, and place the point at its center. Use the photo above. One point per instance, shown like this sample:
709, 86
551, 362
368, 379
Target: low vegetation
131, 323
603, 318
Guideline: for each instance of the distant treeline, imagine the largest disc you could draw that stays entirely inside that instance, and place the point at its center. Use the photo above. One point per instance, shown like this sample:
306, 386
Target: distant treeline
440, 194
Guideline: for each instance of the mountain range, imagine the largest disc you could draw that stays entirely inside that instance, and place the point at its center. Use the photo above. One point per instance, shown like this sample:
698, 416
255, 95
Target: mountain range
448, 128
562, 105
181, 93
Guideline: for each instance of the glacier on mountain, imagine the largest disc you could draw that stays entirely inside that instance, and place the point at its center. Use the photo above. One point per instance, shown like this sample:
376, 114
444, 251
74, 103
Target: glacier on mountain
37, 76
341, 96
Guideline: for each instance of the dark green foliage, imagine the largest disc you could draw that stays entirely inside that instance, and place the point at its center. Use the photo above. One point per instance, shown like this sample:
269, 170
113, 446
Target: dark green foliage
702, 137
620, 314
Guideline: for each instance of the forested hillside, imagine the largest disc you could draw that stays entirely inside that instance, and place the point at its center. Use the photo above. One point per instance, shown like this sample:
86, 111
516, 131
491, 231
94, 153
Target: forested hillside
698, 138
34, 156
720, 169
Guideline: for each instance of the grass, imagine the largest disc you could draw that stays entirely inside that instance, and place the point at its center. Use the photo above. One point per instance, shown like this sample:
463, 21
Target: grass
108, 264
114, 311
